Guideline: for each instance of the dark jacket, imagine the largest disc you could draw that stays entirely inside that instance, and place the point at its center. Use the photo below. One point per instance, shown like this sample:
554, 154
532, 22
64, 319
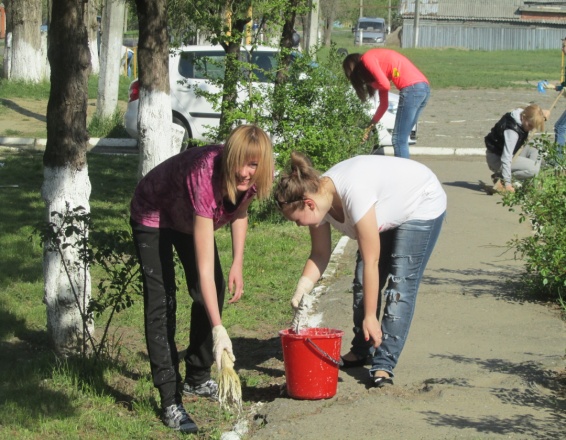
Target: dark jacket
495, 139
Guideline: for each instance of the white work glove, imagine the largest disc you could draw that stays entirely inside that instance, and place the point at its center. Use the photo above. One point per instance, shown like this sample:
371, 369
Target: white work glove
220, 342
305, 285
301, 316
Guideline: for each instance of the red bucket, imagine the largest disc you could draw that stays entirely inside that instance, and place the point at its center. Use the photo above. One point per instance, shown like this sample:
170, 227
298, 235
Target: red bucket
312, 360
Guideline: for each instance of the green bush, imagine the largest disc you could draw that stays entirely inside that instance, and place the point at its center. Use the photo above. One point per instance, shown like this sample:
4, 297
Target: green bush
110, 127
323, 118
541, 202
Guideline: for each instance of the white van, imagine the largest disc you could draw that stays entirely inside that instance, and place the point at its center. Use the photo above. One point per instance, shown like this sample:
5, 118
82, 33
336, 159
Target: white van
191, 66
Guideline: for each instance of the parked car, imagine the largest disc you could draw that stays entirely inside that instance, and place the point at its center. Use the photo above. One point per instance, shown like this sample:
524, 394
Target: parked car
371, 30
191, 67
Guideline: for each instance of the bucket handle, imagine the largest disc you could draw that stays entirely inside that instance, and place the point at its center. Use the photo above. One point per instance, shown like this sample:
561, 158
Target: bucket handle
338, 363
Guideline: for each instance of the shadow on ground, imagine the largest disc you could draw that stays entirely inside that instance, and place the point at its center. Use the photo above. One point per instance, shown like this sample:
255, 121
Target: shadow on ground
22, 111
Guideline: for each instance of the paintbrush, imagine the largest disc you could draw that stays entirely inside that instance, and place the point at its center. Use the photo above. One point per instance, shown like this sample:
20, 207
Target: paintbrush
229, 386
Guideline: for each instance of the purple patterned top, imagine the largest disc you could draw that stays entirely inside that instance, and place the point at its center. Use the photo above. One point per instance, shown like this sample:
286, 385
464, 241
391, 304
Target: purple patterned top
186, 184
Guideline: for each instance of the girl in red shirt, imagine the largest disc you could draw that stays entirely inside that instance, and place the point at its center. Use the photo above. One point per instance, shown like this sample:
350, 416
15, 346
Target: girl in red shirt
375, 70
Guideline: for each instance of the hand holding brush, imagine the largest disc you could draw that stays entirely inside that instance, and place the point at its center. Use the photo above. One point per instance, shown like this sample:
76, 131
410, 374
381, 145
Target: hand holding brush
229, 386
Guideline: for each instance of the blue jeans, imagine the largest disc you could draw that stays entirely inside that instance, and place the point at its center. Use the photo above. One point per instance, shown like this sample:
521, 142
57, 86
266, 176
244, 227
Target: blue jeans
412, 101
560, 132
405, 252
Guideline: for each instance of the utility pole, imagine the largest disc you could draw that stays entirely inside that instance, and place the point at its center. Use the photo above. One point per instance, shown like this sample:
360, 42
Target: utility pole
389, 18
361, 8
416, 25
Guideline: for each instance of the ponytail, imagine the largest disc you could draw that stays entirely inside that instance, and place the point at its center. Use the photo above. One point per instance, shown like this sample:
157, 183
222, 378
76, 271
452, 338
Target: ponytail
298, 178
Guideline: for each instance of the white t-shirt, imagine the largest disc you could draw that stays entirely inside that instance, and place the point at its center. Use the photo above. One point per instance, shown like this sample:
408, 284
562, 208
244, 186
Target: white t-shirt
398, 189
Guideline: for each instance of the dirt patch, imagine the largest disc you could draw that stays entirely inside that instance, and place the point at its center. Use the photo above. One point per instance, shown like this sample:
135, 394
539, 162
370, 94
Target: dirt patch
23, 118
27, 118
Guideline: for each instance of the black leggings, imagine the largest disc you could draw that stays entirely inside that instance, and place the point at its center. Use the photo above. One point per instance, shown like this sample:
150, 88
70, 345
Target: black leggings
154, 247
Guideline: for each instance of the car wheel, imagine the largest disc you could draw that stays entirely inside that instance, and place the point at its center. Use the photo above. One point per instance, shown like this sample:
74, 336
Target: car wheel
186, 143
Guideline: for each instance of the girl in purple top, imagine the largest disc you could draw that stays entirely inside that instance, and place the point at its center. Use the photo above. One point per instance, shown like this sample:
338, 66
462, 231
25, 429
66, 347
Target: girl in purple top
178, 205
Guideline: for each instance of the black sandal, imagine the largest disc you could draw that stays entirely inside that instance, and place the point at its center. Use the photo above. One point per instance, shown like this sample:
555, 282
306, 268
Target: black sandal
381, 381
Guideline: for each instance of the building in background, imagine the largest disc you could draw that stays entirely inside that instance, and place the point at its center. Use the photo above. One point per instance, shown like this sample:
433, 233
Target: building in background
484, 25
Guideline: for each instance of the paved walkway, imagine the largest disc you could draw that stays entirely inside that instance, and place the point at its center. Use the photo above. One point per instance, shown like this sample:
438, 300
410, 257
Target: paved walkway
126, 145
479, 363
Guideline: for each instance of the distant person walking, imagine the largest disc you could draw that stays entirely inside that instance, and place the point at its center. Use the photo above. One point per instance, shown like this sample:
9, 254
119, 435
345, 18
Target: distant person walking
374, 71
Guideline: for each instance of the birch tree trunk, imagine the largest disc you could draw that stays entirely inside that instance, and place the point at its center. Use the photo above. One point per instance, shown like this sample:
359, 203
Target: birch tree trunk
111, 54
92, 24
7, 65
46, 73
27, 64
154, 115
66, 178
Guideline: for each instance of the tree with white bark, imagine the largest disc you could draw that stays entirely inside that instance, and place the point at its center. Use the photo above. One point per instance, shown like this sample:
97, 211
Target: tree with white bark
111, 51
158, 138
27, 61
66, 182
93, 35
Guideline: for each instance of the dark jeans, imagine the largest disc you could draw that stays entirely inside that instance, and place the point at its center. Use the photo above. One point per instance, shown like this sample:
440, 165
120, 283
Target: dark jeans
154, 247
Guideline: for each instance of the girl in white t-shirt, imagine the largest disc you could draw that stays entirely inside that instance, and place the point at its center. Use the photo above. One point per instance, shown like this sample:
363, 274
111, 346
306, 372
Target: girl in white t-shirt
394, 208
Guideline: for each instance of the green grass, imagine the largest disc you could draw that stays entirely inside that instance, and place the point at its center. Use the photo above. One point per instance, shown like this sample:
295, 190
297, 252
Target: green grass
45, 397
9, 90
444, 68
453, 67
40, 91
467, 69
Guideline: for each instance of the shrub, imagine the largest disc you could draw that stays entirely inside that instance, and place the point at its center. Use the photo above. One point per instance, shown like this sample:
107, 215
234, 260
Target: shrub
111, 127
322, 118
541, 201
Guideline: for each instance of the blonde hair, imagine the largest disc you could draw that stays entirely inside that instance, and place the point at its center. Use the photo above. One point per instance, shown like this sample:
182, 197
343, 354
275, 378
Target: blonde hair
245, 143
298, 178
534, 116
